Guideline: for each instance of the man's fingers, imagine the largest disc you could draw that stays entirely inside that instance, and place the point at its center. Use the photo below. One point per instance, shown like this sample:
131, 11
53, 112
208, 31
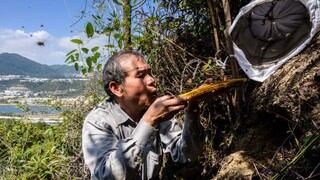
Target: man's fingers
176, 108
164, 98
171, 111
174, 101
169, 101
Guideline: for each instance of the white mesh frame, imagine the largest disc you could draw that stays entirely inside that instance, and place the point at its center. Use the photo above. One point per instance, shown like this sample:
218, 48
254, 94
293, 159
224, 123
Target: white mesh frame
262, 74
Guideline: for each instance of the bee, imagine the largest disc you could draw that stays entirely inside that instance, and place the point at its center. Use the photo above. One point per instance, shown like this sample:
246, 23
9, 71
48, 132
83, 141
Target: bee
40, 43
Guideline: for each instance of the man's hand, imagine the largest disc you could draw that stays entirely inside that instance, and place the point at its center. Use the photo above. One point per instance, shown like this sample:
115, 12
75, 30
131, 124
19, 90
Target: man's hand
163, 108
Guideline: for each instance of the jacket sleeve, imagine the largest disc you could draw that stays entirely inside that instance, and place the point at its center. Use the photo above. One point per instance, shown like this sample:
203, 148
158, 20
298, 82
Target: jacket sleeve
183, 143
106, 155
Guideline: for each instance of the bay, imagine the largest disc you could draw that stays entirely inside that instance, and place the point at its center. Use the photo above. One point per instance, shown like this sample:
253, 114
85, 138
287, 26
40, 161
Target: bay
11, 109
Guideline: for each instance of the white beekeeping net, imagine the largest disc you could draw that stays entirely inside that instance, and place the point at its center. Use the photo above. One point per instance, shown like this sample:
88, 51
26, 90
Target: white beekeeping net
267, 33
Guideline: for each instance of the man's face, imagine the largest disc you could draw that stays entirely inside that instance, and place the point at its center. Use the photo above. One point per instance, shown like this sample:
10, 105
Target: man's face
139, 86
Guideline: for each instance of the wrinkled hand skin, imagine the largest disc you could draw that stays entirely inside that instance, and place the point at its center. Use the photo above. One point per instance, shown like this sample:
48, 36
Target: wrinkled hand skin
165, 107
162, 109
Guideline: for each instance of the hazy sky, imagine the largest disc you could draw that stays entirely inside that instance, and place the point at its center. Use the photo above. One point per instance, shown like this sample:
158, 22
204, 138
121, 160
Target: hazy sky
23, 23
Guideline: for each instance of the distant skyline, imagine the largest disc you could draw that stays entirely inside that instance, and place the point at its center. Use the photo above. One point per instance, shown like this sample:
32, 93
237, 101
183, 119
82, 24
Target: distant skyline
26, 23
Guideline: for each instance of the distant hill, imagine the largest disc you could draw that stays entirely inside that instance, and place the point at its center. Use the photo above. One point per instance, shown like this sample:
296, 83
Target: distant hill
64, 70
11, 63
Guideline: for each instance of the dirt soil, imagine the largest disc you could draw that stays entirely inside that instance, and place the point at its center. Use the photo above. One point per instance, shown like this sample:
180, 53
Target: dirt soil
281, 114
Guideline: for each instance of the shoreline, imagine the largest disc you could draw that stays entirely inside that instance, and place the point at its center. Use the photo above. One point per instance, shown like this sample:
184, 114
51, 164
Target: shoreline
34, 119
14, 104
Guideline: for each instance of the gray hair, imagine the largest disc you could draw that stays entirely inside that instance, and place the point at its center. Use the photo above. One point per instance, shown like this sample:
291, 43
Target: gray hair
112, 70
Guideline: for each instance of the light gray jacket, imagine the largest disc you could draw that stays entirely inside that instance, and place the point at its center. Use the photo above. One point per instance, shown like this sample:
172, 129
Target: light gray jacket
116, 147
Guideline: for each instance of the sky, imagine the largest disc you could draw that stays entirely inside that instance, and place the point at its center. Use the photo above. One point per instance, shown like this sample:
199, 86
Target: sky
24, 23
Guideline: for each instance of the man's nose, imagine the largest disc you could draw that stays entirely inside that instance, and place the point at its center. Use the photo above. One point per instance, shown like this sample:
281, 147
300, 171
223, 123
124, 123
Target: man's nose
150, 80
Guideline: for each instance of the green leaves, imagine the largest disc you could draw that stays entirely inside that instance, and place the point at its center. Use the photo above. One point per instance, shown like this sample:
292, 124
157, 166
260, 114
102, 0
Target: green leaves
69, 53
34, 151
84, 59
89, 61
119, 2
94, 49
89, 30
76, 66
95, 57
85, 50
119, 38
99, 67
77, 41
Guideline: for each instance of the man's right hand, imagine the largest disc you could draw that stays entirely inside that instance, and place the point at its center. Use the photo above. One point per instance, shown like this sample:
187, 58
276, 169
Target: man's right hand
163, 108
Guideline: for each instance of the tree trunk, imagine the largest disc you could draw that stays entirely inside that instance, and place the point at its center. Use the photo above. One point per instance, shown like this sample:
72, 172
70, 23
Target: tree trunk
127, 25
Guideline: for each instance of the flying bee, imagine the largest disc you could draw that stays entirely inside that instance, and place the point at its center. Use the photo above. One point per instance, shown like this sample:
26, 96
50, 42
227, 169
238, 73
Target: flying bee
40, 43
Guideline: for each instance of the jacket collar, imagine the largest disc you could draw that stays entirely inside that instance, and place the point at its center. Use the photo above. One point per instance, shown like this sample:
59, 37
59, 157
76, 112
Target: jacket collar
119, 114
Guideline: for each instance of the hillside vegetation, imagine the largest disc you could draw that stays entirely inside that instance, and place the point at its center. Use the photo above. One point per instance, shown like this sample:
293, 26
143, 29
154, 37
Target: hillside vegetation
259, 131
16, 64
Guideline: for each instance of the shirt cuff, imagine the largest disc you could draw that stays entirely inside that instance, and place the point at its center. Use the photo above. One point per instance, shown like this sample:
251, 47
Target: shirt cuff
143, 133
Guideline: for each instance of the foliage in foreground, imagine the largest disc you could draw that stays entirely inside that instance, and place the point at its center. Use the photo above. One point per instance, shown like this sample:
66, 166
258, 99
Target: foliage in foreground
30, 151
178, 65
39, 151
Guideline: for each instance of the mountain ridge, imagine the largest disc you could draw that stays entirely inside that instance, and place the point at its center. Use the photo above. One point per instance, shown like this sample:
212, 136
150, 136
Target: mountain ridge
15, 64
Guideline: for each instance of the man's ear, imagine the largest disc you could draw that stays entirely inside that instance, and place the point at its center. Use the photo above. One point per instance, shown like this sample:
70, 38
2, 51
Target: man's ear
116, 88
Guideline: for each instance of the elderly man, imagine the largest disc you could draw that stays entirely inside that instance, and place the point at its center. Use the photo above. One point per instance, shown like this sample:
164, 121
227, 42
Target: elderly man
126, 136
